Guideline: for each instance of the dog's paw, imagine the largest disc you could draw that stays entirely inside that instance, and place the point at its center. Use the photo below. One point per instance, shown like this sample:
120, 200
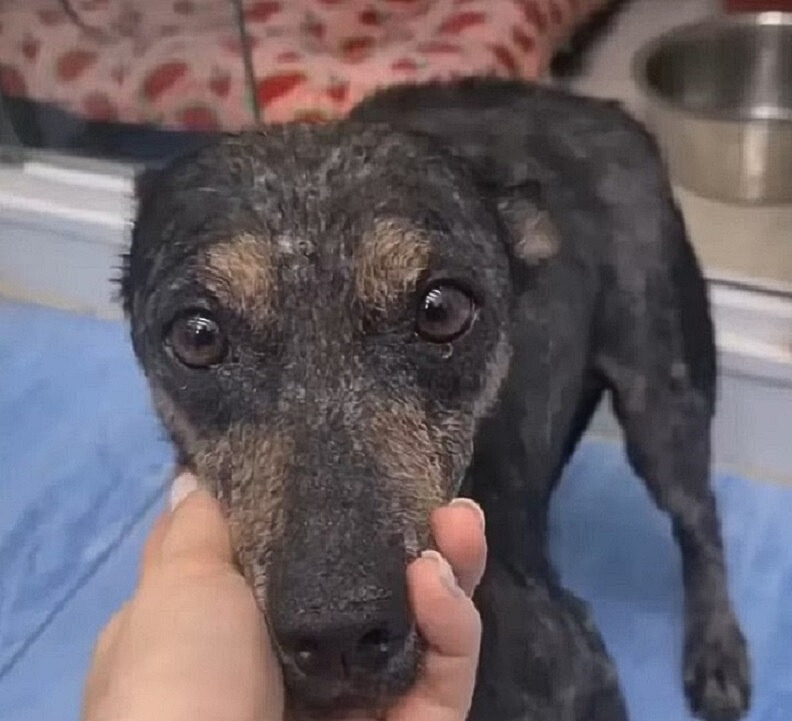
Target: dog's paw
717, 671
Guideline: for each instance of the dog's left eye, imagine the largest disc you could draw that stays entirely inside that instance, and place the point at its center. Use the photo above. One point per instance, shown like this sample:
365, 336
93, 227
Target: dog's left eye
195, 338
445, 313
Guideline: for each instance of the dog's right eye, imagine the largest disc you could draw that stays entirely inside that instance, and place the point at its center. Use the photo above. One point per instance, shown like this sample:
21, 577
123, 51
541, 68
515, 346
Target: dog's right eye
445, 313
195, 339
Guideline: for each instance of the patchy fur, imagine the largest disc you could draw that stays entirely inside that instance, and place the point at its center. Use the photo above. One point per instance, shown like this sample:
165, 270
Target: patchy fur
249, 470
412, 459
332, 427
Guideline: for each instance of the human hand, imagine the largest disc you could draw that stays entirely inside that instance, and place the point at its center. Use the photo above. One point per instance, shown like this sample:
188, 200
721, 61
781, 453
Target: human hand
440, 588
192, 643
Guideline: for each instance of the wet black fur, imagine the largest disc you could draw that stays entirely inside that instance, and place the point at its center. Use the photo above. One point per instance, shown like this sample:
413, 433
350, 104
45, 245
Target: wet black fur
621, 310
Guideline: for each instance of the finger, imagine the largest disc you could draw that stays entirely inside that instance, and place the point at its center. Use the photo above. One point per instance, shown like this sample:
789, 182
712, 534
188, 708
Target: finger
153, 547
451, 626
102, 663
198, 534
458, 531
184, 484
108, 636
446, 617
100, 671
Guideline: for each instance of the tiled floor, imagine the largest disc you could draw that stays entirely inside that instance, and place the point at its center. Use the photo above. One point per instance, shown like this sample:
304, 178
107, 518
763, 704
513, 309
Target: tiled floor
752, 245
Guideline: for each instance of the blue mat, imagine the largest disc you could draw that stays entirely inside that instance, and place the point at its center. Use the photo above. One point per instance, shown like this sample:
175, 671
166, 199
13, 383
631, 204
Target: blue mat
82, 468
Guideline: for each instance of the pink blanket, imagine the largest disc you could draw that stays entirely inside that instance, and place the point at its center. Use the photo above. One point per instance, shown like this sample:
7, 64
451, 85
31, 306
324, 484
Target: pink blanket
182, 63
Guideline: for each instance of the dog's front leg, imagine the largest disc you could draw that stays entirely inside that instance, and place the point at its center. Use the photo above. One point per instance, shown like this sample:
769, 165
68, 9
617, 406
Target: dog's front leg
669, 446
655, 347
541, 657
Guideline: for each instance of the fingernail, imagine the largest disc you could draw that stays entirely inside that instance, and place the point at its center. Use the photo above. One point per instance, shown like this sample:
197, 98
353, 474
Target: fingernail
183, 485
445, 573
473, 506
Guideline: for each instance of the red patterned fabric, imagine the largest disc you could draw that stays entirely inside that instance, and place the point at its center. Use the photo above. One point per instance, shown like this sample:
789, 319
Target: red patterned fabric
179, 63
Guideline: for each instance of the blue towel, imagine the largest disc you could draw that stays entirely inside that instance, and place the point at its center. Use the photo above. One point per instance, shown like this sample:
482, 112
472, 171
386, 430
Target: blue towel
83, 465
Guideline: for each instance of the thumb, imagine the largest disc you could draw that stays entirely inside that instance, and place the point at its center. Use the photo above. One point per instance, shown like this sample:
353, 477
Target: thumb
451, 626
198, 532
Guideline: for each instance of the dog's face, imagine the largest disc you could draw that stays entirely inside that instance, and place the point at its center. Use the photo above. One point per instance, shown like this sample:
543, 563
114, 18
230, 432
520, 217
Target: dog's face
322, 315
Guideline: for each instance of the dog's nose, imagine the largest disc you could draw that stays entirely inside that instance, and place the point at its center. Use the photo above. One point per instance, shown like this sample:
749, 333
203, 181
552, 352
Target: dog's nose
364, 649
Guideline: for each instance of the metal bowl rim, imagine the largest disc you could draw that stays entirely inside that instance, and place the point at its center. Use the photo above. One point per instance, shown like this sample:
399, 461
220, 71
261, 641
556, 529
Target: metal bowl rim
644, 54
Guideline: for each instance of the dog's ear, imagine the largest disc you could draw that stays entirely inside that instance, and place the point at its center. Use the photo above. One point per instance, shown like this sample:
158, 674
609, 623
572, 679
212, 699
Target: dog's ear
531, 233
516, 192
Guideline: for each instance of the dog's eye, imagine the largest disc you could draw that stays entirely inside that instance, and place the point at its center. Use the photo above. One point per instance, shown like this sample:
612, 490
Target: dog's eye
445, 313
196, 340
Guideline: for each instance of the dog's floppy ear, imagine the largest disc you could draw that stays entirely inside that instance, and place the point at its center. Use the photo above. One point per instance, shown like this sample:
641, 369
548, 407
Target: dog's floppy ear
517, 195
531, 233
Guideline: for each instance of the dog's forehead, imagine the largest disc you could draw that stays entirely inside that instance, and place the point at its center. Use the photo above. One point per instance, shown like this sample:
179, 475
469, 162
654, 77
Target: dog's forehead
373, 266
313, 162
333, 212
327, 200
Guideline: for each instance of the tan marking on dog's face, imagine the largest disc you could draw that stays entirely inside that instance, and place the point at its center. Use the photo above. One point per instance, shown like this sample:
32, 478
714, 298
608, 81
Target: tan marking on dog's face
241, 273
246, 468
390, 261
249, 468
410, 458
424, 462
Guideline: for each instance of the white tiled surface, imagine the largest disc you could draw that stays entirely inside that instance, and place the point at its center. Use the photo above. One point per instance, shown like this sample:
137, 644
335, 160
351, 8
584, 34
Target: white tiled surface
747, 244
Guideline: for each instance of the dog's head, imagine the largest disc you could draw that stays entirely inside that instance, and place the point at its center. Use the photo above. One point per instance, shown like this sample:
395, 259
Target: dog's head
322, 314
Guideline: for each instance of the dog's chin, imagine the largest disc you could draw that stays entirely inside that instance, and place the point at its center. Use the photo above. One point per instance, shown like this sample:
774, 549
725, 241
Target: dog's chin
353, 694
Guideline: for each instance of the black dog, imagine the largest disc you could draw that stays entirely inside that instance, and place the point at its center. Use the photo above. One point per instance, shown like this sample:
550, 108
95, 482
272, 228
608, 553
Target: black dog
345, 325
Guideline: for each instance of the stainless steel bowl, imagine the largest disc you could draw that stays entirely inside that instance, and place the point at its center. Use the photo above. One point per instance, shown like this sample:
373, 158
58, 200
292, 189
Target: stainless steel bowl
720, 103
